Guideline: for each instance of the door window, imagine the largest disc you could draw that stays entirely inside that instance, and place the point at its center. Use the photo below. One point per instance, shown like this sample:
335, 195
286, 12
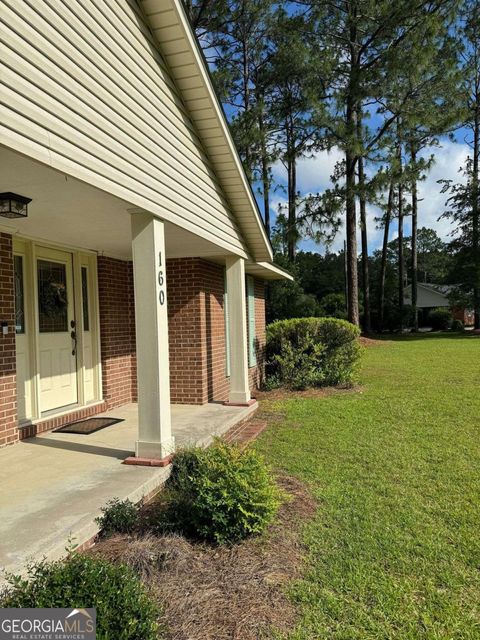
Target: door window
19, 295
52, 297
85, 309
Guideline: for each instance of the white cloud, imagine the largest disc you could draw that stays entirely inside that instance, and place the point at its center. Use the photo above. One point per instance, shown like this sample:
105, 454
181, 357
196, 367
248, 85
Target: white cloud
313, 176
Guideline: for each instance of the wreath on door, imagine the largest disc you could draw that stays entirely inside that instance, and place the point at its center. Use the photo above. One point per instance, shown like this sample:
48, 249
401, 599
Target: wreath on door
53, 296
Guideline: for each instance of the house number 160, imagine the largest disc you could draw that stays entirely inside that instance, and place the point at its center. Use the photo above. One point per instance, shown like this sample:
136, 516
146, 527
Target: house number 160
161, 280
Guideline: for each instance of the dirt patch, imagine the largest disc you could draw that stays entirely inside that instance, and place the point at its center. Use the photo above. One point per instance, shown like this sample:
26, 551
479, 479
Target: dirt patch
220, 593
287, 394
371, 342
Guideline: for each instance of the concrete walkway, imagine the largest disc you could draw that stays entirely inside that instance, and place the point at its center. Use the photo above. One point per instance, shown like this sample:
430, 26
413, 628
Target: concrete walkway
53, 485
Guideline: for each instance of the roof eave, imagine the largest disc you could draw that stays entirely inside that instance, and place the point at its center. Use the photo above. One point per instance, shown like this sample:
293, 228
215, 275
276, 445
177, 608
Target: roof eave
267, 271
254, 235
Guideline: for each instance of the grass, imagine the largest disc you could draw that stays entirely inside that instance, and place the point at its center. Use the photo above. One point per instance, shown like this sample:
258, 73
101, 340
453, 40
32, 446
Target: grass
394, 549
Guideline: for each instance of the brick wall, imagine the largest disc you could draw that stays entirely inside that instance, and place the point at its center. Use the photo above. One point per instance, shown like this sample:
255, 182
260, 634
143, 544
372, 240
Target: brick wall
117, 331
8, 388
185, 331
195, 289
213, 287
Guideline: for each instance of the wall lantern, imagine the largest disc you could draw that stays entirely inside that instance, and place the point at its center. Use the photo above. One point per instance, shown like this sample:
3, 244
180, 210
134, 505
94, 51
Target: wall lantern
13, 206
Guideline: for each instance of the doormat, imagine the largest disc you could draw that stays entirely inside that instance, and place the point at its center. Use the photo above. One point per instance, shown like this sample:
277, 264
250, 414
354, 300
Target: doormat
90, 425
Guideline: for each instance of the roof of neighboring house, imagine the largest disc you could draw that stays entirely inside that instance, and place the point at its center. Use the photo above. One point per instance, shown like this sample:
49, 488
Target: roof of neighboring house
442, 289
177, 42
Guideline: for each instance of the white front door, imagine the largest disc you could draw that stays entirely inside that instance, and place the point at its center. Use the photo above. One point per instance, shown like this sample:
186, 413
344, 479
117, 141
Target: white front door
56, 329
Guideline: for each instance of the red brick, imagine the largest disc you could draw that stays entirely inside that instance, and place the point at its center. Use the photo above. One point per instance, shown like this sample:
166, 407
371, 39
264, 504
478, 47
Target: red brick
8, 403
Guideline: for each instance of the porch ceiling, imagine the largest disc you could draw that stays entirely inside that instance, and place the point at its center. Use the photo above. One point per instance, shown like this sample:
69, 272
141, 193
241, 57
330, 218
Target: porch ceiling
66, 211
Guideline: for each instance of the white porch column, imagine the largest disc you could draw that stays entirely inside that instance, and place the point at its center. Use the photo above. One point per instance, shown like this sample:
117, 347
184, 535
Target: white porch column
237, 308
153, 368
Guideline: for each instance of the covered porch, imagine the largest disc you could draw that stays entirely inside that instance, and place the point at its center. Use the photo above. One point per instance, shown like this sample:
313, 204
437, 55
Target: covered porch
113, 337
54, 485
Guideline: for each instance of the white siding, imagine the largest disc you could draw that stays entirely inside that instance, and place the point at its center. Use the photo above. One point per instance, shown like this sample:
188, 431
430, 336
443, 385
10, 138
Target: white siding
87, 92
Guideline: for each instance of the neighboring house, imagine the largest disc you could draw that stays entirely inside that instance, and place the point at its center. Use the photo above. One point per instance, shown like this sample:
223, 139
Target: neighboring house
111, 127
432, 296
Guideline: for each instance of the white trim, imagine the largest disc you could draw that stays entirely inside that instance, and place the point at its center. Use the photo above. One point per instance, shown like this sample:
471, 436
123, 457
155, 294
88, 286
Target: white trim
252, 331
51, 415
27, 247
267, 271
78, 315
239, 380
226, 324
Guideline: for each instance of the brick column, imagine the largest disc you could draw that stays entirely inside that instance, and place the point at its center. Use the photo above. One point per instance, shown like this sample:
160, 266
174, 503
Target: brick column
8, 384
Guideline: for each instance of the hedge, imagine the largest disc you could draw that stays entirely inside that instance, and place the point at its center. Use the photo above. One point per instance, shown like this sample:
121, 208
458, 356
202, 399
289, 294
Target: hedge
312, 352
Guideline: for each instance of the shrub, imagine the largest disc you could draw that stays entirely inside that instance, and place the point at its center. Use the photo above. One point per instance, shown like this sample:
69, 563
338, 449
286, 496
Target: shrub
441, 319
119, 516
221, 494
305, 352
333, 305
457, 325
124, 611
394, 318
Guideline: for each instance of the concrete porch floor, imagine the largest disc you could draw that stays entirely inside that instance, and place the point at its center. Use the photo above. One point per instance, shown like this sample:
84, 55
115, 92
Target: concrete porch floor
54, 485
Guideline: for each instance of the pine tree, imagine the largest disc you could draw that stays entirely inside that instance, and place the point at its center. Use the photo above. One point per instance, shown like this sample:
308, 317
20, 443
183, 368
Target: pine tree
463, 205
363, 43
293, 66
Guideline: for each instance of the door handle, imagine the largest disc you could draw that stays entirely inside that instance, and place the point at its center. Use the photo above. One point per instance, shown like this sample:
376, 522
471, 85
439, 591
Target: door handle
73, 336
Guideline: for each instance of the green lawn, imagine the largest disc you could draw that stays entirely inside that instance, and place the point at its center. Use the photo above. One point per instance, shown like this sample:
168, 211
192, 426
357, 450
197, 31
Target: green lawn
394, 551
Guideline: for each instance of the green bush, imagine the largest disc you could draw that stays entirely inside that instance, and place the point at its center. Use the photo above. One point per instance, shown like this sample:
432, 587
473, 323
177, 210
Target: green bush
312, 352
333, 305
220, 494
441, 319
457, 325
124, 611
395, 319
119, 516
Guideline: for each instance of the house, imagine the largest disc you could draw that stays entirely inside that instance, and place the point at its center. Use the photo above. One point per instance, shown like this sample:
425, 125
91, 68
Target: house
432, 296
132, 254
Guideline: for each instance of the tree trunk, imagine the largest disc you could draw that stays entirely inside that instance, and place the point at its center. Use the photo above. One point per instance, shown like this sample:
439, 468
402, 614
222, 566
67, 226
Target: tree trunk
352, 249
401, 259
413, 157
264, 165
383, 268
476, 213
292, 205
351, 114
266, 193
367, 325
246, 104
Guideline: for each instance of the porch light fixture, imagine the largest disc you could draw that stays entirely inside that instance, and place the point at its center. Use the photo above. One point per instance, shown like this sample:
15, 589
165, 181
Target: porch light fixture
13, 206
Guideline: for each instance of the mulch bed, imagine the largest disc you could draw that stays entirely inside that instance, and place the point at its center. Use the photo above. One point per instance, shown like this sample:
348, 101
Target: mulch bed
287, 394
372, 342
233, 592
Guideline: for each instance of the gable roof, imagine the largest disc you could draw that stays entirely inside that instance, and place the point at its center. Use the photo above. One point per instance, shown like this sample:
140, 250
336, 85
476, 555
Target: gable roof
171, 29
443, 290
